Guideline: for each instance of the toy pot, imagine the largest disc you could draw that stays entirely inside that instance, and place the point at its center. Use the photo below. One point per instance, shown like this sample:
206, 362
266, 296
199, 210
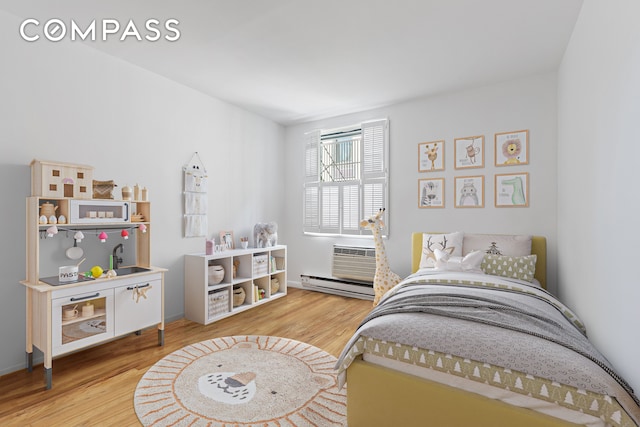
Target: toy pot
48, 209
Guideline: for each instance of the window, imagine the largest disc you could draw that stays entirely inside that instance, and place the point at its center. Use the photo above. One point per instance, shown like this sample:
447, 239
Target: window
346, 177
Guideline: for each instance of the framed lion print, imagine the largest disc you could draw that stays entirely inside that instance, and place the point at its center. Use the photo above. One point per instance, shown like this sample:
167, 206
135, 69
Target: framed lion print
512, 148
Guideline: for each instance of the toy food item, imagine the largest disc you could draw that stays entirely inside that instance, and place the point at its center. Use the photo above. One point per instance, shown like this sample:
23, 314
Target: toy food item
96, 271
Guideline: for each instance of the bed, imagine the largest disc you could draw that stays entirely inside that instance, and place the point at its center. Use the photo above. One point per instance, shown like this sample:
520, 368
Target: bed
452, 346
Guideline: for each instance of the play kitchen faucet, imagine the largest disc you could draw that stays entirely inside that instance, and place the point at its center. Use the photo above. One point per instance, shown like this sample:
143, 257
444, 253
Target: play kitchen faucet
117, 260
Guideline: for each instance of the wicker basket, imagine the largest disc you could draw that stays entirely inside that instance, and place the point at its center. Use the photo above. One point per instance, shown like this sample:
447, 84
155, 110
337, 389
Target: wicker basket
216, 274
238, 296
218, 302
275, 285
279, 262
103, 189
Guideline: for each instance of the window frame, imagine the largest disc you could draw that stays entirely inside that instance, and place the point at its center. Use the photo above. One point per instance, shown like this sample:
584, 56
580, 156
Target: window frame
371, 190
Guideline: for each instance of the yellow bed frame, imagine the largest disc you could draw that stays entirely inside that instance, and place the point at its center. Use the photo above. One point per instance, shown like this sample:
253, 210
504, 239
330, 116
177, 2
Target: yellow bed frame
380, 396
538, 247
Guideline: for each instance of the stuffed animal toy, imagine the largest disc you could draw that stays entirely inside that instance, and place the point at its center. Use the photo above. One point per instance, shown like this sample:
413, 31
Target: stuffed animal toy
384, 279
265, 234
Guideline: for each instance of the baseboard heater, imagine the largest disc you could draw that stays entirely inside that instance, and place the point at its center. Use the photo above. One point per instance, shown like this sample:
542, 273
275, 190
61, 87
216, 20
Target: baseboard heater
337, 286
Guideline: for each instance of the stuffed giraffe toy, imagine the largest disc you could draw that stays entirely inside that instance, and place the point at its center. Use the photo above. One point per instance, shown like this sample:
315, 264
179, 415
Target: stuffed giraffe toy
384, 279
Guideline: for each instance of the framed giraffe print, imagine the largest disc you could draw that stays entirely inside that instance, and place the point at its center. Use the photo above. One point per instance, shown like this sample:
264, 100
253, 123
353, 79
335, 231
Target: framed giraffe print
469, 152
512, 190
431, 156
431, 193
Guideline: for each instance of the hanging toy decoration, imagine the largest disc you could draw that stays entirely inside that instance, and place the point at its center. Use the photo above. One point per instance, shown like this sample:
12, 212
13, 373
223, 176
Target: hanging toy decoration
51, 231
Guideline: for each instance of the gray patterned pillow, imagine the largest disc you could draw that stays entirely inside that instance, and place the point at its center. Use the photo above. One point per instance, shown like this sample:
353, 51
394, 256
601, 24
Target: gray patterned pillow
516, 267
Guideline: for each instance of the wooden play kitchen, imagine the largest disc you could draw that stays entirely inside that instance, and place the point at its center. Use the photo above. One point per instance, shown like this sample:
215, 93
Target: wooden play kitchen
67, 310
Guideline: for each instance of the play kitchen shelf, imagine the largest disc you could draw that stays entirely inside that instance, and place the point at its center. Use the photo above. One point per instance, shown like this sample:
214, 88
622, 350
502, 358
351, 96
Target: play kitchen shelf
64, 316
249, 277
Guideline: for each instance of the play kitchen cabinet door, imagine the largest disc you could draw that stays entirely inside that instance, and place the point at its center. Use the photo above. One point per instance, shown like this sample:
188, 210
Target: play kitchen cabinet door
71, 317
138, 305
81, 320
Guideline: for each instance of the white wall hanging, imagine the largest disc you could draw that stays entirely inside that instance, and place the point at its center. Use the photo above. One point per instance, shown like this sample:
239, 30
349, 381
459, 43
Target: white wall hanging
195, 198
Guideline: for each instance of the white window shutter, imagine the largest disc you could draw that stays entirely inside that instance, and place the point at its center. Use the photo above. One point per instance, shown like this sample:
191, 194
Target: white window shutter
330, 203
351, 212
311, 202
375, 176
374, 197
311, 208
375, 151
311, 156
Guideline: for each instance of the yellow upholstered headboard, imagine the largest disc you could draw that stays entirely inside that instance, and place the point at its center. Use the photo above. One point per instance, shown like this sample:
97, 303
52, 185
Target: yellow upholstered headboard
538, 247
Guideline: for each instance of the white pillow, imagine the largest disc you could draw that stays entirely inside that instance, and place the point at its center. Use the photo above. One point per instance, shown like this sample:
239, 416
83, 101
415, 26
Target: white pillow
450, 243
497, 244
470, 263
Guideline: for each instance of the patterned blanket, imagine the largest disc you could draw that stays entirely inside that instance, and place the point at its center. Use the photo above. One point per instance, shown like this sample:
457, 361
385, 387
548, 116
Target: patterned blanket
503, 322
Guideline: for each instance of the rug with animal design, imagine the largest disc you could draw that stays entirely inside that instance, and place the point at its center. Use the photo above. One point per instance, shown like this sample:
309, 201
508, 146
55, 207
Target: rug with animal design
244, 381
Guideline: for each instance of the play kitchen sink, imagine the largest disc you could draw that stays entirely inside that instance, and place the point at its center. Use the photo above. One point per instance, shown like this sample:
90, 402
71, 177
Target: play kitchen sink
124, 271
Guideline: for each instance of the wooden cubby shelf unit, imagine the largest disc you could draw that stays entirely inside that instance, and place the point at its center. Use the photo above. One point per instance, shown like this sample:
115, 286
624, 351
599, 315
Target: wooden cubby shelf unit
259, 268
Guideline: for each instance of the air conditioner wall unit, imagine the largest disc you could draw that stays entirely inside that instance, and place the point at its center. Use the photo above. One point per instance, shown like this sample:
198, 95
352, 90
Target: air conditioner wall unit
354, 262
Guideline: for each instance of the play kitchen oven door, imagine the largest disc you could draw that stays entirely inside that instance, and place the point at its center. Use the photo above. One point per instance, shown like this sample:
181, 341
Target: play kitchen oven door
94, 211
81, 319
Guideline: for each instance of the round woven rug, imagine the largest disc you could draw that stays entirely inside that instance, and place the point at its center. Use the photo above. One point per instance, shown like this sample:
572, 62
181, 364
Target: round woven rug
242, 381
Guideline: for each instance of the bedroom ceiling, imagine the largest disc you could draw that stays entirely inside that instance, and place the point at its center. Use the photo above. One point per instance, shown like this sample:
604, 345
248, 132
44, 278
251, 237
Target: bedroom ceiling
299, 60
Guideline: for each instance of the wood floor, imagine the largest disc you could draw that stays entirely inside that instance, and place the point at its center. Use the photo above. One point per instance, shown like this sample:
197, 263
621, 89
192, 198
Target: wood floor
95, 387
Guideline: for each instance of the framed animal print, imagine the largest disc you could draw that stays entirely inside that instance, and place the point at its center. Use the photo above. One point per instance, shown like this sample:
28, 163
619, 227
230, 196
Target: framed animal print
431, 156
512, 148
431, 193
469, 191
512, 190
469, 152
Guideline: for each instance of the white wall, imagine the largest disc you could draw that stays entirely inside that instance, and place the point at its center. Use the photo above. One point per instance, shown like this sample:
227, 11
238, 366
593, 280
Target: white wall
68, 102
598, 152
528, 103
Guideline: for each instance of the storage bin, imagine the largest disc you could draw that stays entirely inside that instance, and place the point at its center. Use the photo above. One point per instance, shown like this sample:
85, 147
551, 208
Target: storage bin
239, 296
279, 262
218, 302
260, 265
275, 285
216, 274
